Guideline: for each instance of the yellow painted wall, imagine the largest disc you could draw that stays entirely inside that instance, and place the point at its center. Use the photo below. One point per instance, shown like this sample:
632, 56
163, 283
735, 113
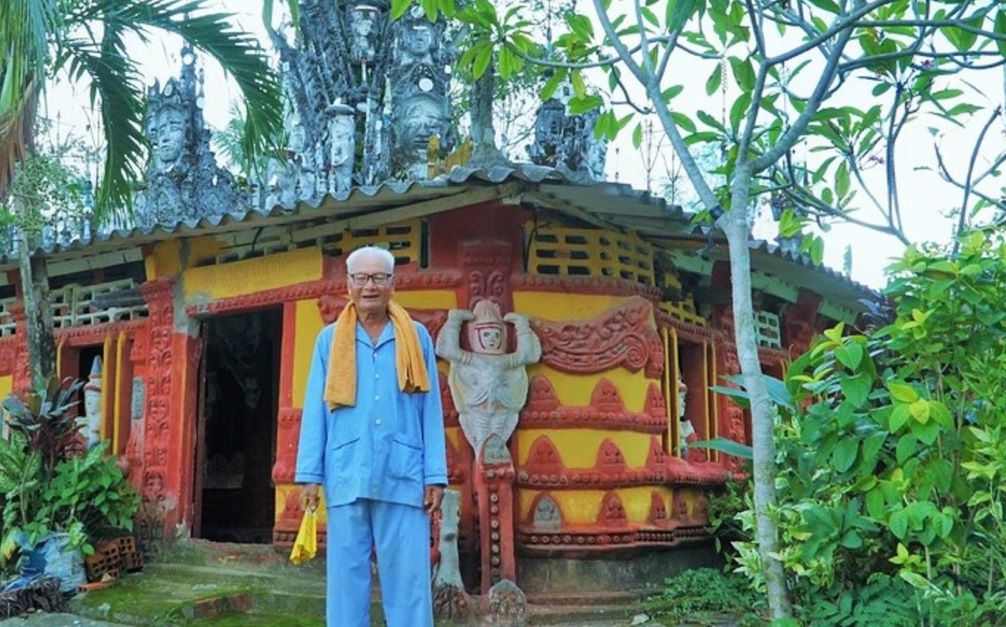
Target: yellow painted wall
6, 385
249, 276
578, 447
560, 306
309, 324
580, 507
574, 390
426, 299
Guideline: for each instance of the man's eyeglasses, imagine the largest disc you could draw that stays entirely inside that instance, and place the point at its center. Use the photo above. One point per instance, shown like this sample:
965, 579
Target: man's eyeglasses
360, 279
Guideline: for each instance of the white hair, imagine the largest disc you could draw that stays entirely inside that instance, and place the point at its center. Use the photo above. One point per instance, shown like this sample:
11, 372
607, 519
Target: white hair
370, 251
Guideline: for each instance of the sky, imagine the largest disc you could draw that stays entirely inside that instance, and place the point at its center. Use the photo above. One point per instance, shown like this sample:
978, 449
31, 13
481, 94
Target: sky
926, 200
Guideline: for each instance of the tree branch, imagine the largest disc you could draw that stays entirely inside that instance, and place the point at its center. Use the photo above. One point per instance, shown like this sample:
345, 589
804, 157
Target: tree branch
962, 223
663, 113
794, 132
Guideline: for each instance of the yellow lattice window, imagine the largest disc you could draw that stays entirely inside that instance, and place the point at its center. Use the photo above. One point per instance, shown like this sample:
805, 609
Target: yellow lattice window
692, 364
683, 310
589, 252
403, 240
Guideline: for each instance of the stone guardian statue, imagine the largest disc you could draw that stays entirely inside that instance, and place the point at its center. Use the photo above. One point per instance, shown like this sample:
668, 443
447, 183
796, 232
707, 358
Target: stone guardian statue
489, 385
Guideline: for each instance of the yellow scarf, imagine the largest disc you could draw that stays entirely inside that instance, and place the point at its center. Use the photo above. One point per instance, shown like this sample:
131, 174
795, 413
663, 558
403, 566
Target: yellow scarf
340, 385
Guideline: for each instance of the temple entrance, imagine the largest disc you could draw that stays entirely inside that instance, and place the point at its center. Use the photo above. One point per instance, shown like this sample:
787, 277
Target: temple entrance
236, 437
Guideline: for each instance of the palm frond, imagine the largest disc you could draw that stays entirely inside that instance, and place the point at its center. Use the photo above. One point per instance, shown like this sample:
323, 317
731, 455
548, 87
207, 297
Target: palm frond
25, 30
116, 88
237, 52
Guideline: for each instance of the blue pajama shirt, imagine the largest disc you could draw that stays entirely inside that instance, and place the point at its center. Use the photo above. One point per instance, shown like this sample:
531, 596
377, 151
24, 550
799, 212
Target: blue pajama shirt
375, 460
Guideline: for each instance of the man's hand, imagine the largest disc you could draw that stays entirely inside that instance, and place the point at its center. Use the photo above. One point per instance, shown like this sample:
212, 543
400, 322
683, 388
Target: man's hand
309, 496
434, 495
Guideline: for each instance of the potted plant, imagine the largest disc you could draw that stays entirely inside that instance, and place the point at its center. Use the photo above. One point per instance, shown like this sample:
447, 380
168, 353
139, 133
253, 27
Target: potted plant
55, 496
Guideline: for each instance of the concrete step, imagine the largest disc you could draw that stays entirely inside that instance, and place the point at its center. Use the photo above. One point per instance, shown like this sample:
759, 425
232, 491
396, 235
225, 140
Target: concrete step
597, 614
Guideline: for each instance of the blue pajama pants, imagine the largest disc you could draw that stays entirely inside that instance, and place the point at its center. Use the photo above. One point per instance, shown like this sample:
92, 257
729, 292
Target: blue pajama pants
400, 534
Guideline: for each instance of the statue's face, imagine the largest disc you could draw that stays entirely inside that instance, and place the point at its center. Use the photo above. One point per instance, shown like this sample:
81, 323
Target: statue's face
420, 40
170, 130
491, 339
421, 123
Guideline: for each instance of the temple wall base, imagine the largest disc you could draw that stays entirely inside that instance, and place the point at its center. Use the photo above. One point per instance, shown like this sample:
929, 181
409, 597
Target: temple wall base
619, 572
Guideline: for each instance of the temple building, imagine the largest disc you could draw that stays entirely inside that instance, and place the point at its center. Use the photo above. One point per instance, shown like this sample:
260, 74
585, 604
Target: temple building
580, 323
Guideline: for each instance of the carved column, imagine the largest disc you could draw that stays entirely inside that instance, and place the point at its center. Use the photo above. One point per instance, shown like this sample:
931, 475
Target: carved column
486, 266
494, 478
156, 503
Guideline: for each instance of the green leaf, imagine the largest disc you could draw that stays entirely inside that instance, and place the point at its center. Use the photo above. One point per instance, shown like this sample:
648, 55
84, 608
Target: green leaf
678, 11
902, 392
727, 446
875, 503
637, 135
585, 104
579, 87
851, 355
1000, 29
483, 57
743, 73
552, 84
668, 94
920, 410
899, 417
649, 16
842, 180
899, 524
844, 454
907, 446
714, 80
398, 8
683, 121
856, 389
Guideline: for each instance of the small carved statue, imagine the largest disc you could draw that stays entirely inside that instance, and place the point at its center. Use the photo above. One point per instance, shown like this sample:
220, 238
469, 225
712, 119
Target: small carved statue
450, 601
686, 429
489, 386
92, 406
342, 147
362, 26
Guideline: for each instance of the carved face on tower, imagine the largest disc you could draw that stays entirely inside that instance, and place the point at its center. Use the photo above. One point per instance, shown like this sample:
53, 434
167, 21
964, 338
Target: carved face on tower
421, 118
486, 332
362, 25
419, 41
340, 128
169, 130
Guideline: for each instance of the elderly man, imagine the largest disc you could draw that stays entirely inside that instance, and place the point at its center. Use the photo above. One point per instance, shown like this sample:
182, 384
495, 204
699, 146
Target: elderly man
372, 433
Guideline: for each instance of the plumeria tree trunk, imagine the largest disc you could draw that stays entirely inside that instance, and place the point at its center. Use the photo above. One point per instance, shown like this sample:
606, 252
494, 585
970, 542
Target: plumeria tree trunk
738, 235
38, 313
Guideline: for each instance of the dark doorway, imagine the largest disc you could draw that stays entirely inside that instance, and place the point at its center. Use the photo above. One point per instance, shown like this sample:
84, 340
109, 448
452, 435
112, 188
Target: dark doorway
235, 500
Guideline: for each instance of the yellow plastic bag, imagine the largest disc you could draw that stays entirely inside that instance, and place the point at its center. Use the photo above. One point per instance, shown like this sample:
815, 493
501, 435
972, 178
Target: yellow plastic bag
306, 545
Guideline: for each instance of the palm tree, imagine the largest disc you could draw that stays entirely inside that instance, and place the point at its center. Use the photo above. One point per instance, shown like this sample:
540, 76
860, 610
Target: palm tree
84, 41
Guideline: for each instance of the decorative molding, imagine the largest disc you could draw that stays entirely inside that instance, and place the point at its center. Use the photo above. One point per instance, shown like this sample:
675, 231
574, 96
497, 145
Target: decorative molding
691, 332
623, 336
96, 334
544, 469
569, 542
583, 285
606, 410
